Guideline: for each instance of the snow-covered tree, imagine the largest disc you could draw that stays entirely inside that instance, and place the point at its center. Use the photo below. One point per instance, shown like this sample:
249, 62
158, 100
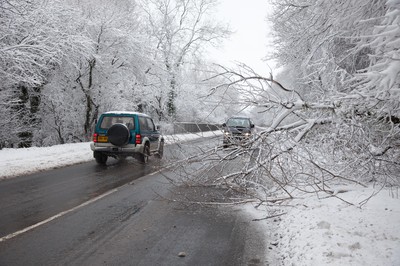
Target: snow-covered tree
105, 77
118, 58
337, 121
194, 101
63, 62
179, 30
31, 47
347, 55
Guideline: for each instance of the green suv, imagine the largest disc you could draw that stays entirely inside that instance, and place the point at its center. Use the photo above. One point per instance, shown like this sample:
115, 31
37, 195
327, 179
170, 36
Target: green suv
120, 134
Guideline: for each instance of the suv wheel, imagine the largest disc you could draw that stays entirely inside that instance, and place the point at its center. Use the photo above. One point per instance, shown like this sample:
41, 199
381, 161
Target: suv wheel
100, 157
160, 151
118, 134
144, 157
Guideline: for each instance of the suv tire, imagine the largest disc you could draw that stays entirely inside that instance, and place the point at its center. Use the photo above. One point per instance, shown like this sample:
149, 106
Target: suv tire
100, 157
144, 157
160, 151
118, 134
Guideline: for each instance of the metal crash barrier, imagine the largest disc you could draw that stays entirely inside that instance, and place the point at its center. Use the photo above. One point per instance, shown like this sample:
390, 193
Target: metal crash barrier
190, 127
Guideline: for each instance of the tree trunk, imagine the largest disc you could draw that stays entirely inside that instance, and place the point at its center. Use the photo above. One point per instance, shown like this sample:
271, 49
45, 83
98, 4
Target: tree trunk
27, 107
171, 98
91, 111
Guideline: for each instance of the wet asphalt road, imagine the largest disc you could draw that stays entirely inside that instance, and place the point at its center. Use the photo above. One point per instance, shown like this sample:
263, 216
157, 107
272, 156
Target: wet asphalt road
30, 199
133, 223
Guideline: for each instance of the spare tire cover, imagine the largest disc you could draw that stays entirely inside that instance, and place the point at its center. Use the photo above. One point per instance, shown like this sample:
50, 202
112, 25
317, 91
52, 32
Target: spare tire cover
118, 134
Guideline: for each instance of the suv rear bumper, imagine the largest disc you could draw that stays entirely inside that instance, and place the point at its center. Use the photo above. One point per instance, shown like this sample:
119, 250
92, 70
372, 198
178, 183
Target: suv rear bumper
108, 148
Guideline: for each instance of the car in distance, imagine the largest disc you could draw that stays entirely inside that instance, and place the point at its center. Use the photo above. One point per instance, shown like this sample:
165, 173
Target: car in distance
237, 130
120, 134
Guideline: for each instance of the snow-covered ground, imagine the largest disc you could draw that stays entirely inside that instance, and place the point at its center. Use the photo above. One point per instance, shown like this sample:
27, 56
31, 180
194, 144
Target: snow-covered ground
324, 230
312, 230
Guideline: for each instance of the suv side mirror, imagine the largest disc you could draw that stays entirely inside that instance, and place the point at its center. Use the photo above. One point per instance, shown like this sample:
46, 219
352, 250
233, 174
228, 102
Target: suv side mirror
224, 124
252, 125
158, 127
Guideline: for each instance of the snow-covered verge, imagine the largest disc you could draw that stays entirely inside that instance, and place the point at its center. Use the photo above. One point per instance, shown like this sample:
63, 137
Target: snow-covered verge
323, 230
312, 230
15, 162
328, 231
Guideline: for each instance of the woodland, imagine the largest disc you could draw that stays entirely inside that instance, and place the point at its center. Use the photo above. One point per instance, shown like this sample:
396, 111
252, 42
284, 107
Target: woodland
64, 62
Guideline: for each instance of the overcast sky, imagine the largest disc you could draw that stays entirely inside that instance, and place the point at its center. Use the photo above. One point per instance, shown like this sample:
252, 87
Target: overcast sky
249, 43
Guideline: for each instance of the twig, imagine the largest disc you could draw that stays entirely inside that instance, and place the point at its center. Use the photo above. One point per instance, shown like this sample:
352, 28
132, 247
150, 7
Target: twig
269, 217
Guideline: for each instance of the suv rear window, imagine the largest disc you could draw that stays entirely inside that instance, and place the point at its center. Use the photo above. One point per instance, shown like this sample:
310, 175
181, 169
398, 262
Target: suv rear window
108, 121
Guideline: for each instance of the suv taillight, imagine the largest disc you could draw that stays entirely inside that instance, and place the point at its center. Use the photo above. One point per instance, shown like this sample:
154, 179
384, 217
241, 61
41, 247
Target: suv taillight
95, 137
138, 139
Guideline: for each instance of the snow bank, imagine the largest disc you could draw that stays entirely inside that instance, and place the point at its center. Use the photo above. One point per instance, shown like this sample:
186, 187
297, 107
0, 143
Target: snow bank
14, 162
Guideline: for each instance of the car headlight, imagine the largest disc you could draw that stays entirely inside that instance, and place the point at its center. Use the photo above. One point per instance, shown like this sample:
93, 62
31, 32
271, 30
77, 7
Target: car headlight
247, 134
227, 133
